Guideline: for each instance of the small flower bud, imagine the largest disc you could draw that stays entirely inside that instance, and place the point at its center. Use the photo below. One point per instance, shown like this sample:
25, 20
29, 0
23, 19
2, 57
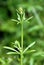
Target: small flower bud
21, 10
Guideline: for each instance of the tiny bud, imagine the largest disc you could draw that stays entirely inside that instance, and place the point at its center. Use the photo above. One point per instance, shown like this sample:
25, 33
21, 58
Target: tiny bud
21, 10
16, 42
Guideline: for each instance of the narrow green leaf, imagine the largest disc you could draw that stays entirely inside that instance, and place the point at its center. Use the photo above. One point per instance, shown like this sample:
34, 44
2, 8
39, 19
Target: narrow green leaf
40, 53
29, 47
18, 16
29, 18
9, 48
29, 51
24, 17
14, 20
12, 53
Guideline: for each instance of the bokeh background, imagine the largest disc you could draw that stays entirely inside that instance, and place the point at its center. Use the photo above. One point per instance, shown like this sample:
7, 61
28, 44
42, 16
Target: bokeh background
10, 31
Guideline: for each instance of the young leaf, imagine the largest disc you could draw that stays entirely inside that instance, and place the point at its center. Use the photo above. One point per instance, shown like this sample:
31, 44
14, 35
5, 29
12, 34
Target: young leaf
15, 20
11, 49
12, 53
18, 16
24, 17
17, 44
29, 18
29, 47
29, 51
40, 53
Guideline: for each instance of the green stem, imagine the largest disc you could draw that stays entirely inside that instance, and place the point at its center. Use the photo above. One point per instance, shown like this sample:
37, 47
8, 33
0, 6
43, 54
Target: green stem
21, 42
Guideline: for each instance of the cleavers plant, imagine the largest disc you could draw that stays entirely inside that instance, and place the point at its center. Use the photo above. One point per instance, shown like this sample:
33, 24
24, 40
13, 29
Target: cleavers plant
20, 20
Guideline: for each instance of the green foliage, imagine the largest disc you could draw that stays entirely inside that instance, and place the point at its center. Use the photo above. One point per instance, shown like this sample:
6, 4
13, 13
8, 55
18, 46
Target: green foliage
33, 31
19, 49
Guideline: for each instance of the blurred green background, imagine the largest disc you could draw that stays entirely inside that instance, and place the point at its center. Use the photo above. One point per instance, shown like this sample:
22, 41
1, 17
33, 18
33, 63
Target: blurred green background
10, 31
